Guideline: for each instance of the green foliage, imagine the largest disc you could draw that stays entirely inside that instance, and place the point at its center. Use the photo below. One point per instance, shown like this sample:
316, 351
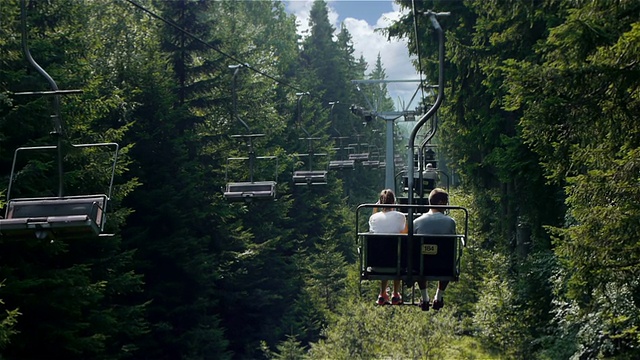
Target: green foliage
326, 272
8, 324
289, 349
539, 123
584, 131
498, 317
88, 284
364, 331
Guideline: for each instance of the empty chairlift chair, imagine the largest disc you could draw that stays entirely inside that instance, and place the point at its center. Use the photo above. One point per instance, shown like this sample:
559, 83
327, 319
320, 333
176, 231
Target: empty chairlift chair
341, 163
250, 190
54, 216
374, 159
59, 216
358, 154
247, 190
310, 176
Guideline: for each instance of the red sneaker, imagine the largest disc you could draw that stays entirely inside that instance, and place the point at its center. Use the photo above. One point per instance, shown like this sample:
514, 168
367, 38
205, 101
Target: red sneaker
396, 299
383, 300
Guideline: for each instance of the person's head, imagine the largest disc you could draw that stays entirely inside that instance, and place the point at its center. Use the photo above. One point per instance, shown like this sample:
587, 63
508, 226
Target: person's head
438, 196
387, 197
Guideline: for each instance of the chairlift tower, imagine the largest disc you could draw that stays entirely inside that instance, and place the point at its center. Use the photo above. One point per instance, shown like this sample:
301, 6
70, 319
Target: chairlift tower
389, 117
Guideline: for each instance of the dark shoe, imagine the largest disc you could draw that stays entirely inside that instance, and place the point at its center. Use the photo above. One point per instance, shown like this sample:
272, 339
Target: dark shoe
396, 299
382, 300
424, 306
438, 304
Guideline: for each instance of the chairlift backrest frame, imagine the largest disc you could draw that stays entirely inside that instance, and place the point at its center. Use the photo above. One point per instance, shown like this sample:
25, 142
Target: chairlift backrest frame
250, 189
252, 173
310, 176
341, 163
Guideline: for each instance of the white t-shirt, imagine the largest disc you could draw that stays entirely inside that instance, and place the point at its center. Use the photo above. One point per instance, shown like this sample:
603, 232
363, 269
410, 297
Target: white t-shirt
390, 222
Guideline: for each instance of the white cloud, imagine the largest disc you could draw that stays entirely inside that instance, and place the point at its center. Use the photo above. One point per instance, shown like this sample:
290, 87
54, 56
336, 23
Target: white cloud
369, 43
393, 53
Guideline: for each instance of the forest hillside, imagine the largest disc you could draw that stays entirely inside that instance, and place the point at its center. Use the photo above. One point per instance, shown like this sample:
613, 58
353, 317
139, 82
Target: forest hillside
538, 137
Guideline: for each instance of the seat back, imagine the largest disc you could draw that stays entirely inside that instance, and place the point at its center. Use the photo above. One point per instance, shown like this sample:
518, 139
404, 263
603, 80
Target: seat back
381, 253
433, 256
57, 216
359, 157
342, 164
91, 205
250, 190
312, 177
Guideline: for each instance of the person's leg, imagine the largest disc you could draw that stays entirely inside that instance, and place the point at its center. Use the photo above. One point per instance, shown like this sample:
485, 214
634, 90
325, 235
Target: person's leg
383, 298
396, 286
438, 301
396, 299
422, 284
442, 286
383, 287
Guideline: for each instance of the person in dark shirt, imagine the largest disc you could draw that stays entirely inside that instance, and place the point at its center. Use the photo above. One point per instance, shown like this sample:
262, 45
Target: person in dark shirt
434, 222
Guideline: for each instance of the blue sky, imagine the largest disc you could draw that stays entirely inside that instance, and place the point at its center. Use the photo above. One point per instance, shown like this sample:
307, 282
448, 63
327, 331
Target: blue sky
362, 17
367, 10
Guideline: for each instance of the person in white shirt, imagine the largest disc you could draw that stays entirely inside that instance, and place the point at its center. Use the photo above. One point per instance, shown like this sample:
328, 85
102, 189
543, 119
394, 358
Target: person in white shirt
388, 221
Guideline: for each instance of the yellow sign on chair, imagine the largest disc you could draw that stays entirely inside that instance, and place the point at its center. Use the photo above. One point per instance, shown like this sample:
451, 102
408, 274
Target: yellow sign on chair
429, 249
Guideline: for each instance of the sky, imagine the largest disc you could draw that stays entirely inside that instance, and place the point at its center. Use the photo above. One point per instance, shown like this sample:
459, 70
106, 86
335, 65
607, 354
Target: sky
361, 18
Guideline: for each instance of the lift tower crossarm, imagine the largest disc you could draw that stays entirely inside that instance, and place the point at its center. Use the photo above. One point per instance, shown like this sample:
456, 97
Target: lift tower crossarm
389, 117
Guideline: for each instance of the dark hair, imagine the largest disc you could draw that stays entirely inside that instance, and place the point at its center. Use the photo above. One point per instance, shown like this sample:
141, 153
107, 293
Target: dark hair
438, 196
387, 197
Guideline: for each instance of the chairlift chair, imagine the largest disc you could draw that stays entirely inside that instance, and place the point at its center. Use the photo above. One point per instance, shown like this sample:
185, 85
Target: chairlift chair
410, 257
54, 216
250, 190
342, 164
310, 176
247, 190
374, 159
59, 216
358, 156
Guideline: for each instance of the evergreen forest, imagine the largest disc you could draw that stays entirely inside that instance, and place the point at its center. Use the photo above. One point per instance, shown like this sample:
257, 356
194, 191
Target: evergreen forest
539, 132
